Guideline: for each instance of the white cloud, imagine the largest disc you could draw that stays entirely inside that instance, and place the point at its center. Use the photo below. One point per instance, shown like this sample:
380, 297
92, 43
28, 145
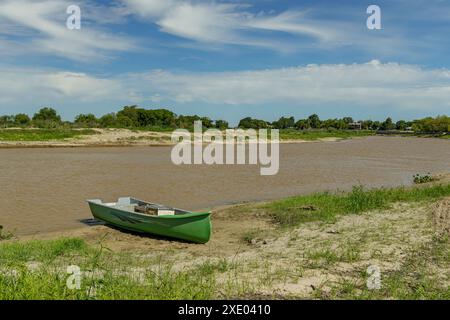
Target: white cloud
22, 86
295, 22
42, 29
227, 23
369, 85
150, 8
209, 24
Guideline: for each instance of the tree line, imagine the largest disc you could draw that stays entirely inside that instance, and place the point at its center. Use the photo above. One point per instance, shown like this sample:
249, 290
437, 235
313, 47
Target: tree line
136, 117
438, 124
128, 117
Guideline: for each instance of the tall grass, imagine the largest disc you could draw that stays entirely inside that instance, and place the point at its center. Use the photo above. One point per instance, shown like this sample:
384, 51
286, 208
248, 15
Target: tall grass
291, 134
105, 274
41, 134
421, 276
326, 206
20, 252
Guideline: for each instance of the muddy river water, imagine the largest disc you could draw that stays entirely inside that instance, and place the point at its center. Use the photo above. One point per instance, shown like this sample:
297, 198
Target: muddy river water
43, 189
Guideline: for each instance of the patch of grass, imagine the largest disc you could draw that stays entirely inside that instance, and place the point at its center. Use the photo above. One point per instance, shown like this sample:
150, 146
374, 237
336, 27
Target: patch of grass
251, 236
155, 129
326, 256
16, 253
424, 275
425, 178
291, 134
106, 274
51, 284
5, 235
350, 254
293, 211
42, 134
221, 266
321, 258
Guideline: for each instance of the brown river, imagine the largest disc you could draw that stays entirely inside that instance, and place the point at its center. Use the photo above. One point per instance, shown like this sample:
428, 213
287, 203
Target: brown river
44, 189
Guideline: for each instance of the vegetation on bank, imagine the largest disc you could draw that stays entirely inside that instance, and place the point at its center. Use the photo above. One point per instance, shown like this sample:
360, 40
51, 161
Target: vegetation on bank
292, 134
38, 269
42, 134
327, 206
416, 279
134, 117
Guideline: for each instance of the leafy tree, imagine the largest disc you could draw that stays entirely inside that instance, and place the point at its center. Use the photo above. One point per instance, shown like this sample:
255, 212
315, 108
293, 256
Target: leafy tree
6, 121
124, 122
22, 119
47, 114
186, 122
132, 116
342, 124
438, 124
388, 125
314, 121
302, 124
129, 113
284, 123
401, 125
221, 124
249, 123
88, 120
108, 120
207, 122
348, 120
367, 125
376, 125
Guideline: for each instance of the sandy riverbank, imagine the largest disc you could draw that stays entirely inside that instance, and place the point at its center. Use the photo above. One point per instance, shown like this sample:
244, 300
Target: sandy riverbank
323, 259
117, 138
102, 137
44, 189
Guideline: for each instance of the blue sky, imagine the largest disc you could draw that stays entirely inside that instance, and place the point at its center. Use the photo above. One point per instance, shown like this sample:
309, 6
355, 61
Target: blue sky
227, 59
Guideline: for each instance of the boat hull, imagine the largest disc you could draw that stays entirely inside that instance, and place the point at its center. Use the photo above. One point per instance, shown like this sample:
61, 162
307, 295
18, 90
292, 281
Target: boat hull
192, 227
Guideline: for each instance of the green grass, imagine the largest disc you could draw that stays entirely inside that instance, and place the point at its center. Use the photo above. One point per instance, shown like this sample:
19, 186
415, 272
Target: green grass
291, 134
423, 276
326, 256
112, 275
5, 235
21, 252
106, 274
41, 134
154, 129
327, 206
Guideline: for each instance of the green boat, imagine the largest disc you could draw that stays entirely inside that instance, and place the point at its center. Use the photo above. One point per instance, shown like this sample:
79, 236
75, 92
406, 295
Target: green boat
144, 217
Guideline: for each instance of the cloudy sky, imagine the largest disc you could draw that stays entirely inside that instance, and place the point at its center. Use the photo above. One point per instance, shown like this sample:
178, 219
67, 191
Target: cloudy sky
227, 59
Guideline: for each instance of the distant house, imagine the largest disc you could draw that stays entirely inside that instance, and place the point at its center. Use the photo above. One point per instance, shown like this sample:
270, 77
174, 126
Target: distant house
355, 125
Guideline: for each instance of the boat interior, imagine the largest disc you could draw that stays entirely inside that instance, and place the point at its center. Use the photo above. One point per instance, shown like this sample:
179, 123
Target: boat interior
138, 206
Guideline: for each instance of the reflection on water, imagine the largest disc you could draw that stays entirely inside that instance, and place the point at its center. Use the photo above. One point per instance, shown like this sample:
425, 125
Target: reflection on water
45, 189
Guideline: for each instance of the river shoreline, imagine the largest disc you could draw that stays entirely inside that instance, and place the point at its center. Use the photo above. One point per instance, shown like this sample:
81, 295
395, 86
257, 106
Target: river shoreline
44, 189
121, 138
253, 254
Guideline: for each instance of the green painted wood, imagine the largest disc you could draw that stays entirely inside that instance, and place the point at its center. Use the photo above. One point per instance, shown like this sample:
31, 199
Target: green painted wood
192, 226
